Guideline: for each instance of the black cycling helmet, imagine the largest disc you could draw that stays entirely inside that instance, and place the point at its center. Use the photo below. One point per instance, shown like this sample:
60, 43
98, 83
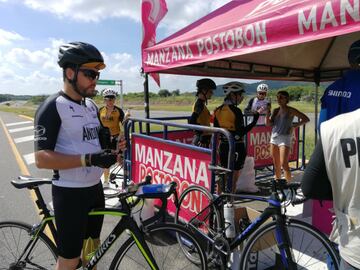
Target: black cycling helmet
354, 53
205, 84
78, 54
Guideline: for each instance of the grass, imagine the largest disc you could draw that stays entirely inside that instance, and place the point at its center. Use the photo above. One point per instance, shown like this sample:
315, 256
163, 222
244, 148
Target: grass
181, 104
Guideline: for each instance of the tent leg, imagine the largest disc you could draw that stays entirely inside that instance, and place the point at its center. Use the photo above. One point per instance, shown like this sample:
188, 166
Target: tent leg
146, 101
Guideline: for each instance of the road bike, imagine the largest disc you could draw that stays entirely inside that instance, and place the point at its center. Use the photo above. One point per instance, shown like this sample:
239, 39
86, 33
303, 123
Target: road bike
271, 241
151, 245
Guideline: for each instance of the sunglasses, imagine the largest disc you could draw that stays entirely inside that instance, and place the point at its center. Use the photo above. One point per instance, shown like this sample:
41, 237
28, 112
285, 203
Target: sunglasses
91, 74
109, 98
262, 94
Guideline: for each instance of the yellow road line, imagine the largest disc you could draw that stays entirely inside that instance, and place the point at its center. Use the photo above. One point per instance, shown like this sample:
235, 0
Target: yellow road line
26, 117
24, 170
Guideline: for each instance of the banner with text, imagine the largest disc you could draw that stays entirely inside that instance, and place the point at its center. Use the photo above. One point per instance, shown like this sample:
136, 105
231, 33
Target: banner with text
166, 162
258, 145
242, 27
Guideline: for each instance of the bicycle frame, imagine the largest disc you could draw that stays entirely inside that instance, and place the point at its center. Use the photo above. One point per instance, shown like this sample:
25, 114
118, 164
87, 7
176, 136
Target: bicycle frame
125, 223
272, 211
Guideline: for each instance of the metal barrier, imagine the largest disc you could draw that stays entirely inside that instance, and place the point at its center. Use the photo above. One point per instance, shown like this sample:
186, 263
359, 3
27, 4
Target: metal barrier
134, 129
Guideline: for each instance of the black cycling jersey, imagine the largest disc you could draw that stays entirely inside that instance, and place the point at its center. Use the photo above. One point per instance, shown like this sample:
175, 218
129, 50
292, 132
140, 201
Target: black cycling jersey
231, 118
315, 182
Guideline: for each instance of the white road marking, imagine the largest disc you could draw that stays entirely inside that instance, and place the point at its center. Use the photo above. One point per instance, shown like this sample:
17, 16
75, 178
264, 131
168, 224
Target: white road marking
21, 129
18, 123
24, 139
29, 158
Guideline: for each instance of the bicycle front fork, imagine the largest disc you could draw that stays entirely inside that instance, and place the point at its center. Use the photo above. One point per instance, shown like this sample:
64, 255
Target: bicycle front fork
284, 245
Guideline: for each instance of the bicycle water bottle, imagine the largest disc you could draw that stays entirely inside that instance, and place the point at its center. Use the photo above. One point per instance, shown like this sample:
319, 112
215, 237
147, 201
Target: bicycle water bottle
229, 220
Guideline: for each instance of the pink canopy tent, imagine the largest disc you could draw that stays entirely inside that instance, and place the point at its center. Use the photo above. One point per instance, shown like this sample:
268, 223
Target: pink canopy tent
273, 39
305, 40
294, 40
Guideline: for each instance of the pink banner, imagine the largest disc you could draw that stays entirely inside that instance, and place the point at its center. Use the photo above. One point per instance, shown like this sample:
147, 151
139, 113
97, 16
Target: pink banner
167, 162
152, 12
258, 146
242, 27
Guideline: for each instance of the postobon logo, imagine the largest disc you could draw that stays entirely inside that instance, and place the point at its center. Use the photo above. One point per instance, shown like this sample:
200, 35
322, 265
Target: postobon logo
39, 133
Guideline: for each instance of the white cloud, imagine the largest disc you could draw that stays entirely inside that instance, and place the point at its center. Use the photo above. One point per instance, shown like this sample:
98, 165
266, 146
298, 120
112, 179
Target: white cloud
25, 58
88, 10
180, 12
7, 38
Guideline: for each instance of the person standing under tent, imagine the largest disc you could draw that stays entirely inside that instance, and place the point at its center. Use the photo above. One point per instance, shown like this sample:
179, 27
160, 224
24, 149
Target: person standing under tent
333, 173
259, 103
281, 120
230, 117
111, 117
67, 140
200, 113
341, 96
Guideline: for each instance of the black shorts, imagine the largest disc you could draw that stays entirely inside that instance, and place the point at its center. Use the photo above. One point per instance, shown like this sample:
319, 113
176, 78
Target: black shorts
114, 142
202, 140
240, 154
71, 208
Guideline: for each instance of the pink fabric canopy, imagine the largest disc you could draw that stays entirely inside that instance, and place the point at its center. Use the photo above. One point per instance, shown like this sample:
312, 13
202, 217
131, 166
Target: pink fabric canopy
263, 39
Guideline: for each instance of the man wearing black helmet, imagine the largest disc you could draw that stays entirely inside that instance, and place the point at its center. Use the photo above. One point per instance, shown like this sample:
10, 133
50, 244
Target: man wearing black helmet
340, 97
200, 114
333, 172
343, 95
67, 141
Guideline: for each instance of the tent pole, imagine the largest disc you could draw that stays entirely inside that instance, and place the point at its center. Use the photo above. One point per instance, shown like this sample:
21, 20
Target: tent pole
317, 83
146, 96
146, 101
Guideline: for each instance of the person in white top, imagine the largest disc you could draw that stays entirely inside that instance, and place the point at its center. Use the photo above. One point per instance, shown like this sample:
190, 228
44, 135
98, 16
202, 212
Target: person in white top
259, 103
334, 173
68, 139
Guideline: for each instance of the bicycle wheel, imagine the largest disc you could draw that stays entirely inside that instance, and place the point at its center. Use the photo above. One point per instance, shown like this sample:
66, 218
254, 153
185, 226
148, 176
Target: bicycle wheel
14, 237
196, 208
197, 213
309, 247
165, 248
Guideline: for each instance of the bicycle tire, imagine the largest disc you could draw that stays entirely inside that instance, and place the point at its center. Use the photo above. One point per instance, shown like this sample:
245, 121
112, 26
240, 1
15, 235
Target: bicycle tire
198, 194
14, 237
310, 248
202, 222
164, 246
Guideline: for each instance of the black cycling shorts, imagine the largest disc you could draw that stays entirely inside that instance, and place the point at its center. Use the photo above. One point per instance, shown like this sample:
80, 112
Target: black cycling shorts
71, 207
114, 140
240, 154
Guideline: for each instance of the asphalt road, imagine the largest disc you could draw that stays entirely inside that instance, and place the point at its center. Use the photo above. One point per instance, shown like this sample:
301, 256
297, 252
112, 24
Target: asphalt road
16, 145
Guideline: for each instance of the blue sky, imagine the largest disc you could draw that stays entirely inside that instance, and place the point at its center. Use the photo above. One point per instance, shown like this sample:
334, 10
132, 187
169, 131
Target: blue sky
32, 30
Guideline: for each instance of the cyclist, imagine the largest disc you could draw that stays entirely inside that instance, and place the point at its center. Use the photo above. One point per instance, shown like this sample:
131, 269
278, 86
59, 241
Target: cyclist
333, 173
281, 120
67, 141
343, 95
259, 103
200, 114
111, 117
230, 117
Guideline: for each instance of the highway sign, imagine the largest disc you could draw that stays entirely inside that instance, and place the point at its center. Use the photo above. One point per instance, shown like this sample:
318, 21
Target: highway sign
106, 82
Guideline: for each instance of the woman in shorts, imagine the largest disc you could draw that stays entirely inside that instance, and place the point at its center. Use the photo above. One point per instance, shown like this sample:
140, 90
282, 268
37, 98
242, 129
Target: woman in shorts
281, 120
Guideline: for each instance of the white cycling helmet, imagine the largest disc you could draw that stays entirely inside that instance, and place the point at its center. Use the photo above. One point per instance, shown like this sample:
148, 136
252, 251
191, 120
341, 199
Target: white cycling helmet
262, 88
109, 93
233, 87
